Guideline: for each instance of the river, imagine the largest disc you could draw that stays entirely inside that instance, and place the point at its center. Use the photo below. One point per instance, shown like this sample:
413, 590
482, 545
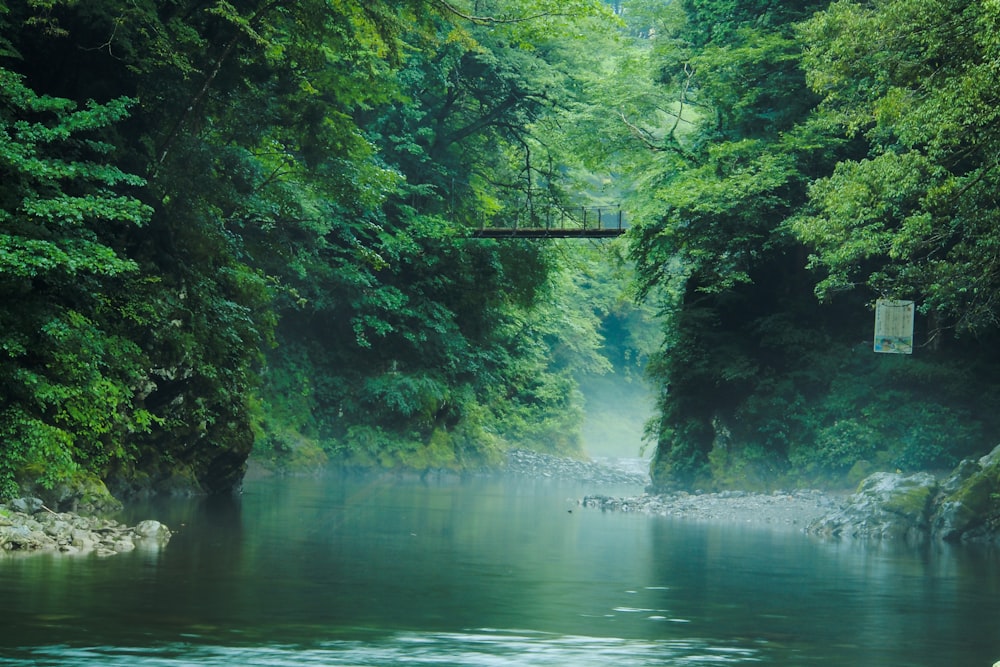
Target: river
334, 570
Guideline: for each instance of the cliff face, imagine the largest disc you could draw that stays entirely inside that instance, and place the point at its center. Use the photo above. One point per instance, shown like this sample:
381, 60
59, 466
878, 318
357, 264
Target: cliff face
185, 462
173, 463
963, 507
969, 504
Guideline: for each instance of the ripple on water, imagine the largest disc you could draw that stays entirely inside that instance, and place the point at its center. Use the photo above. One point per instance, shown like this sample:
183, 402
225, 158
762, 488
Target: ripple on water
484, 648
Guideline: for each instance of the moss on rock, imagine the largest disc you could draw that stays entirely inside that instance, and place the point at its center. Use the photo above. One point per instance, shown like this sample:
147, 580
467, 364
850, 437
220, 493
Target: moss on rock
971, 507
82, 492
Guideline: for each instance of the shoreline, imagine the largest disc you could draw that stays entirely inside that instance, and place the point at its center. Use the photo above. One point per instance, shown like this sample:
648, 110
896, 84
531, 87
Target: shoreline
795, 509
28, 527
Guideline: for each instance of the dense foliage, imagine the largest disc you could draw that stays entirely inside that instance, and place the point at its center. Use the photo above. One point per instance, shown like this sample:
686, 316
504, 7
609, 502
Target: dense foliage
228, 224
228, 227
840, 147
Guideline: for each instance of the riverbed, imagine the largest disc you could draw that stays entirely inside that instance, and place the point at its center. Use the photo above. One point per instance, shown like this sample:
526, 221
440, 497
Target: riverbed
507, 570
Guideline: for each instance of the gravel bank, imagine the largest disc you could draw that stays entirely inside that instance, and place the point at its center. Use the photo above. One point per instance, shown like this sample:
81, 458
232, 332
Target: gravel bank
781, 508
597, 472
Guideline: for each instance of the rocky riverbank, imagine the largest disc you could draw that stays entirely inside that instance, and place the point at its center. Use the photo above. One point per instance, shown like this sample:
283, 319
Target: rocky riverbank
790, 508
600, 472
26, 525
781, 508
962, 507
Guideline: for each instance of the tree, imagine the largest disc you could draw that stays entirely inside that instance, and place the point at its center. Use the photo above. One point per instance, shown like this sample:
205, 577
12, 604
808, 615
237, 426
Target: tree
243, 130
447, 343
68, 401
711, 233
806, 144
916, 215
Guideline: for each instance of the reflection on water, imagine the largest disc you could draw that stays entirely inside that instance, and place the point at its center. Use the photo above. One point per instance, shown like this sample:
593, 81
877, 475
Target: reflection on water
348, 571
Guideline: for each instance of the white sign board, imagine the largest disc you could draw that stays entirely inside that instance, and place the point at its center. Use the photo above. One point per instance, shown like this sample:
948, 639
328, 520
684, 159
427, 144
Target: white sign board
894, 326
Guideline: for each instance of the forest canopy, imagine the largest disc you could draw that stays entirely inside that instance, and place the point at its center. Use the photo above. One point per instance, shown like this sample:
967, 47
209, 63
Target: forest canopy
245, 227
843, 155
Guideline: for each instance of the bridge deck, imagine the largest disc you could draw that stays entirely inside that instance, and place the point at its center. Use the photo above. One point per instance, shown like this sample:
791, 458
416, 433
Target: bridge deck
596, 222
542, 233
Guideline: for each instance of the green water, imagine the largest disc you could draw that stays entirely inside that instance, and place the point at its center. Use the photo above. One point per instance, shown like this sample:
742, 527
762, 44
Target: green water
335, 571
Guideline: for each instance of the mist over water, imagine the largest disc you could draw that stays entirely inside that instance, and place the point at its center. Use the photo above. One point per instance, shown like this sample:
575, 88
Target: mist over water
617, 409
387, 571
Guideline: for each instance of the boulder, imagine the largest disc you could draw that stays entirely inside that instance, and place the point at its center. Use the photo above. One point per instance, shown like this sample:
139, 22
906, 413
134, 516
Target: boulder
992, 459
969, 507
887, 506
83, 492
965, 506
151, 530
27, 505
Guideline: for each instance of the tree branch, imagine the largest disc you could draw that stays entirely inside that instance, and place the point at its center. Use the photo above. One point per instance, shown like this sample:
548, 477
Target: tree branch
680, 108
196, 100
482, 122
492, 20
639, 133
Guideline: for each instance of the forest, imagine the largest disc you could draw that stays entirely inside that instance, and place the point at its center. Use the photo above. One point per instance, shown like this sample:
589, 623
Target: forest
235, 229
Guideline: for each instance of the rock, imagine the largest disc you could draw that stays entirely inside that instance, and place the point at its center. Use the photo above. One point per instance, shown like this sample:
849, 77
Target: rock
56, 528
886, 506
953, 519
83, 492
992, 459
82, 539
152, 530
962, 472
14, 538
86, 493
969, 508
27, 505
71, 533
965, 506
181, 483
123, 545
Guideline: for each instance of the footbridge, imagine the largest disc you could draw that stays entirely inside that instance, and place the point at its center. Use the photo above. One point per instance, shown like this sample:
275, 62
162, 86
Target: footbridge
574, 222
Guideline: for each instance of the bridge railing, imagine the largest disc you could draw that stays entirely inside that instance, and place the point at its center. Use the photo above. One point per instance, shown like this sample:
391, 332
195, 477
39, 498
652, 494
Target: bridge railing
600, 220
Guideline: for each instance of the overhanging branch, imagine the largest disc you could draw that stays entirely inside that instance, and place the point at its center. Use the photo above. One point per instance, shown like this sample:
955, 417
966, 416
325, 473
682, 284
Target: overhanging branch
492, 20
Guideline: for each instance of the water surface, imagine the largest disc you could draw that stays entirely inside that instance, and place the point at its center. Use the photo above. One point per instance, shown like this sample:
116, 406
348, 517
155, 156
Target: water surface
348, 571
